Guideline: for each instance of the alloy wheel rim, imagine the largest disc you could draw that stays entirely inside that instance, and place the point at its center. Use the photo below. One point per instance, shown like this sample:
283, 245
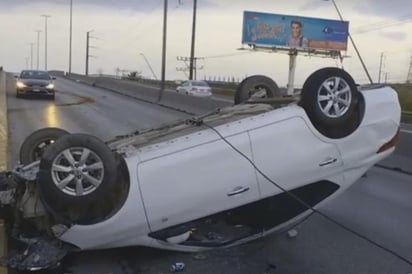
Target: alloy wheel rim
77, 171
334, 97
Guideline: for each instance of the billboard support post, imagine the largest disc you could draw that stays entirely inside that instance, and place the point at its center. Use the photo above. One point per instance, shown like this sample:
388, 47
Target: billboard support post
293, 54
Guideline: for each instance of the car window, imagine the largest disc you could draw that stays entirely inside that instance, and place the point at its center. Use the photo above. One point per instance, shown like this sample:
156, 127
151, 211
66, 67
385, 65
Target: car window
38, 75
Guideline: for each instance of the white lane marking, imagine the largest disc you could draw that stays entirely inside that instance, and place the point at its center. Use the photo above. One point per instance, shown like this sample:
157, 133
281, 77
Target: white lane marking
406, 131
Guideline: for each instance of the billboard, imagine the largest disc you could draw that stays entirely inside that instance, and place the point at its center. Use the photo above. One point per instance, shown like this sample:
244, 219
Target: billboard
294, 32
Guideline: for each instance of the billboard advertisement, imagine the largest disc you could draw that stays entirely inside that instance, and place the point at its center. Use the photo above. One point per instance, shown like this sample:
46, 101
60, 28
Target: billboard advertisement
294, 32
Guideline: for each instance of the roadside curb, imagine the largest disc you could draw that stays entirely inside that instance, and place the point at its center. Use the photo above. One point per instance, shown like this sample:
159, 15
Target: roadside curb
3, 155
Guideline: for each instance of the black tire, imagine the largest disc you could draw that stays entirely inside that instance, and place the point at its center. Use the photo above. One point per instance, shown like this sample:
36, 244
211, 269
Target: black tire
33, 146
252, 84
93, 193
322, 111
18, 95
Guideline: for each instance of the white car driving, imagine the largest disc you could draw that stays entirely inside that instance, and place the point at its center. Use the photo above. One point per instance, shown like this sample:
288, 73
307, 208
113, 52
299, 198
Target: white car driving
213, 181
195, 88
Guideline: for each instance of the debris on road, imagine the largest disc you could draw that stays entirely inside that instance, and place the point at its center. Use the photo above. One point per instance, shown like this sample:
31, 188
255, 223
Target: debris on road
199, 257
293, 233
177, 267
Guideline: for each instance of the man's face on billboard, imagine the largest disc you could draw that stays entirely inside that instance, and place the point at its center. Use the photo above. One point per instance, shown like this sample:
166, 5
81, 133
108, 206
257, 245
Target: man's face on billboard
296, 30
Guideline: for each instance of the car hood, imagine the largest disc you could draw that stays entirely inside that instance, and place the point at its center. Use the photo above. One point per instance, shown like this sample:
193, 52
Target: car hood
35, 82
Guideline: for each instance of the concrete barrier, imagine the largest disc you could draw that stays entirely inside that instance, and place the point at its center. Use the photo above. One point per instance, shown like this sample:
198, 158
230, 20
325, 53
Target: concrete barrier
180, 102
3, 155
3, 121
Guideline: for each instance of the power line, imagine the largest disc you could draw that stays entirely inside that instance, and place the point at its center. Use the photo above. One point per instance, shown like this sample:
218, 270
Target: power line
382, 26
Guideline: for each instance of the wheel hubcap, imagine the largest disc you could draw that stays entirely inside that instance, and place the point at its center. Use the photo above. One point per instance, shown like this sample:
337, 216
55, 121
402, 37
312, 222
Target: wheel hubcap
77, 171
334, 97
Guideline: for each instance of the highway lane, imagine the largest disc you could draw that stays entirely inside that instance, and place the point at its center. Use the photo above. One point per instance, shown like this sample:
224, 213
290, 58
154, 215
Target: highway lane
82, 109
378, 205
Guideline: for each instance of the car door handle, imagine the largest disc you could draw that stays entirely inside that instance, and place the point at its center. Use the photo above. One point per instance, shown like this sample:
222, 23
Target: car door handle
238, 190
328, 161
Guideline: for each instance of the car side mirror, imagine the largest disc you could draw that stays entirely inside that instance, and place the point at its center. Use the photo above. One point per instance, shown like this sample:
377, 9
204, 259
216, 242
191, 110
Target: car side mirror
53, 78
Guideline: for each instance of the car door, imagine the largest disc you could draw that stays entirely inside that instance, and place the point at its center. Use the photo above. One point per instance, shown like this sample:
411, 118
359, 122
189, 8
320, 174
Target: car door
292, 156
197, 181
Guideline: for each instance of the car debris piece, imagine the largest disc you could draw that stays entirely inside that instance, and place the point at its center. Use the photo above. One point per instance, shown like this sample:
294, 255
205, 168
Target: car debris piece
293, 233
177, 267
38, 255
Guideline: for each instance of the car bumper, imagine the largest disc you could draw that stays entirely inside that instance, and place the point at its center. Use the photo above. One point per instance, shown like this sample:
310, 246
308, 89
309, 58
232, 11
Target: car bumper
35, 90
202, 94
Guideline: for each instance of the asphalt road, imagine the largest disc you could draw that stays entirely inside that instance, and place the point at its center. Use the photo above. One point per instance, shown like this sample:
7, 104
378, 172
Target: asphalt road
378, 206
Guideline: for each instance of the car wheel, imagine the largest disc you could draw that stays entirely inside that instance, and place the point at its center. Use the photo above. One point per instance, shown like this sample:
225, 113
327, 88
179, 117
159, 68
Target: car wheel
18, 95
330, 97
34, 145
258, 86
78, 170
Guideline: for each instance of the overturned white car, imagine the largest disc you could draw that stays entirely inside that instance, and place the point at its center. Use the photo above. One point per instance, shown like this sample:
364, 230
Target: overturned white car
218, 180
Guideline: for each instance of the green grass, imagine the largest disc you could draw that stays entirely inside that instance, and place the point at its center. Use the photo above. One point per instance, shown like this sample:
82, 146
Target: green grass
405, 96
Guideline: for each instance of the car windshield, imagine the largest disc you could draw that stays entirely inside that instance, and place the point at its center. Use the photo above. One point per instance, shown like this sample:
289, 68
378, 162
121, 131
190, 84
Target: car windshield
38, 75
200, 84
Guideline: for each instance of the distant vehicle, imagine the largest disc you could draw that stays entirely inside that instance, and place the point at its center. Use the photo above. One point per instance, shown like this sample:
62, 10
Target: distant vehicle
35, 82
213, 181
196, 88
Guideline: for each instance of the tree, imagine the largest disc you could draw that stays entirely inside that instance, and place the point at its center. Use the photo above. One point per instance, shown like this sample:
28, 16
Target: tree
134, 75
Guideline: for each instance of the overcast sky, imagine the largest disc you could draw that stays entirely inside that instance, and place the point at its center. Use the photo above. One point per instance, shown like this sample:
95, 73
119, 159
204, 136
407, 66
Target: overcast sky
126, 28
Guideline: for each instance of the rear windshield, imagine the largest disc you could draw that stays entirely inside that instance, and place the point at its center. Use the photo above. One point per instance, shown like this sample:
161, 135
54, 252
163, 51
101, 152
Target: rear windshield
200, 84
39, 75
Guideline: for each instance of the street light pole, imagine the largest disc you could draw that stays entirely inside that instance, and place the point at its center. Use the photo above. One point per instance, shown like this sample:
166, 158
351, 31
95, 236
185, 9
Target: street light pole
354, 45
46, 17
70, 36
162, 85
192, 51
38, 49
148, 64
31, 55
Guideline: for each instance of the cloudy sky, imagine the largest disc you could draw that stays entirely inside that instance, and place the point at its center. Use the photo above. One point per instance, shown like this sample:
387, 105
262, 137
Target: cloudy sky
126, 28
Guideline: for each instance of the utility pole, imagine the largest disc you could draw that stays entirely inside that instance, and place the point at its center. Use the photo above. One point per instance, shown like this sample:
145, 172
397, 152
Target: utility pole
192, 51
409, 78
192, 62
70, 37
46, 17
162, 84
38, 49
27, 62
88, 47
380, 68
31, 55
354, 45
87, 52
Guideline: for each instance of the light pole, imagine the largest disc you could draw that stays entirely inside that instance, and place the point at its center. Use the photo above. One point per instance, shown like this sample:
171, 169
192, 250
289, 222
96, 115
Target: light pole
31, 55
192, 51
148, 64
45, 39
162, 85
353, 43
38, 49
70, 36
